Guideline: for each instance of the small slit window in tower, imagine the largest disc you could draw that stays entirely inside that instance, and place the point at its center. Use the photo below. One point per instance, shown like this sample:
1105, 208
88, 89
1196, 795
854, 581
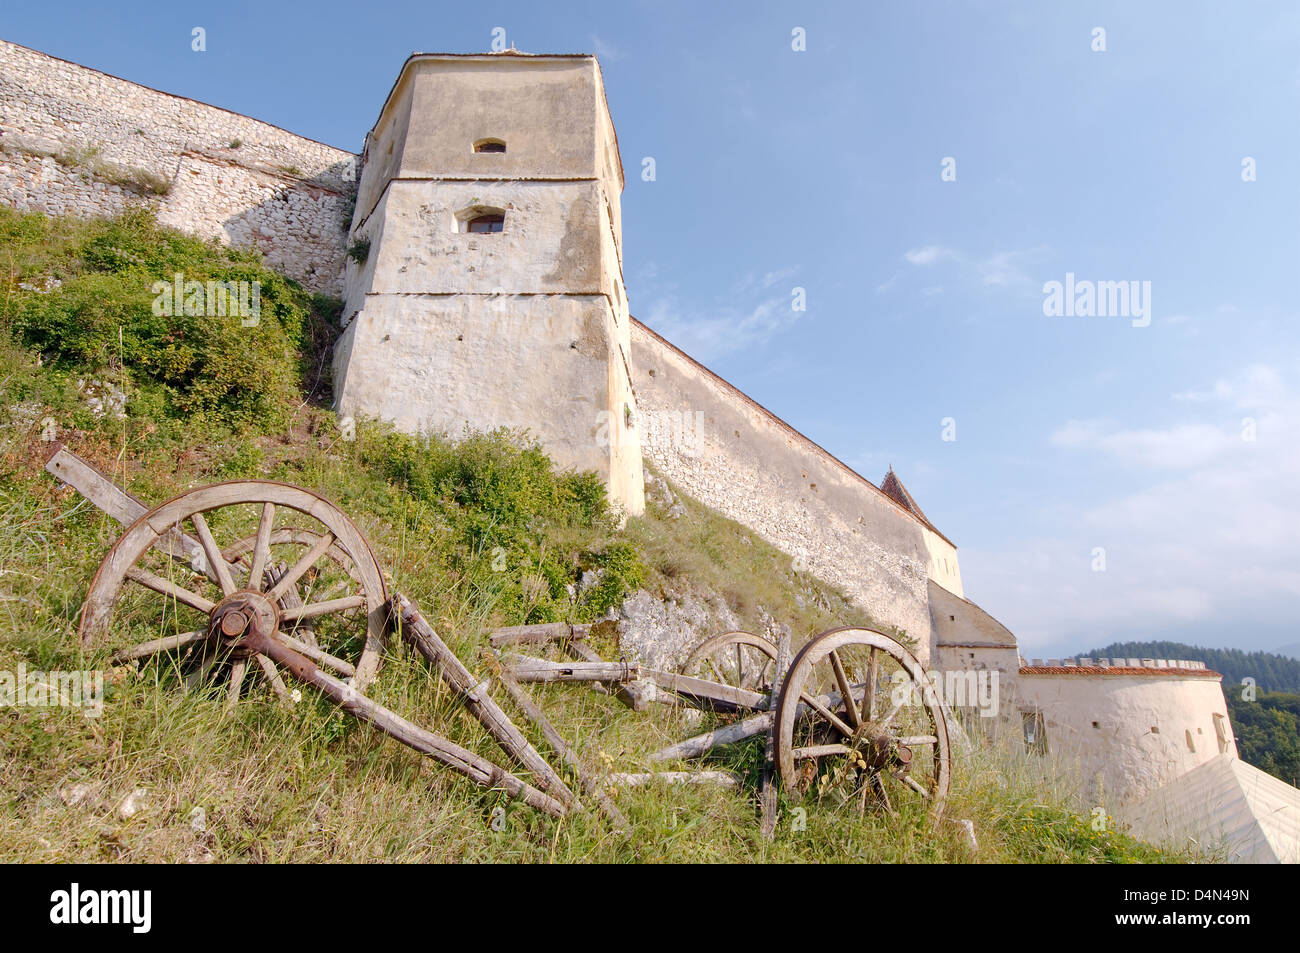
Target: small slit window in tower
1035, 731
497, 146
1221, 732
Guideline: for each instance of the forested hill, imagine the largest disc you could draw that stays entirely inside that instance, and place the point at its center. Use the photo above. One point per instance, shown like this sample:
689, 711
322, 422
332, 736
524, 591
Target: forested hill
1271, 672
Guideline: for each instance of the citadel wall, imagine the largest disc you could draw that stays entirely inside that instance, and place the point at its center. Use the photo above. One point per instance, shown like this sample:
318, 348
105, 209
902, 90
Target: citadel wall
967, 637
77, 141
1130, 726
754, 468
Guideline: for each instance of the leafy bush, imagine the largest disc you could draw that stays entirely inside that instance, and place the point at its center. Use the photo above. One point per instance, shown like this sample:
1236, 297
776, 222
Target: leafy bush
621, 572
504, 520
82, 295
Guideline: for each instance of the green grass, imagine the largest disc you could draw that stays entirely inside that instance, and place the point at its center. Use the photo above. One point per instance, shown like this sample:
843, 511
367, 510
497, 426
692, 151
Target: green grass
480, 531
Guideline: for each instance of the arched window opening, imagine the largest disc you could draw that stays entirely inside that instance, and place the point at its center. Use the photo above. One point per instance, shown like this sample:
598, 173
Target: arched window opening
484, 224
479, 220
490, 145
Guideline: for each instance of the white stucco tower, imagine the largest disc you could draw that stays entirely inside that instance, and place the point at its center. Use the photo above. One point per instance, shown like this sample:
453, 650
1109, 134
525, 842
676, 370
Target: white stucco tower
492, 291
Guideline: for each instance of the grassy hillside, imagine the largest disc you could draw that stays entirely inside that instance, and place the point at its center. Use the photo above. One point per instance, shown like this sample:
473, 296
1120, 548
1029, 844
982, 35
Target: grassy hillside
480, 531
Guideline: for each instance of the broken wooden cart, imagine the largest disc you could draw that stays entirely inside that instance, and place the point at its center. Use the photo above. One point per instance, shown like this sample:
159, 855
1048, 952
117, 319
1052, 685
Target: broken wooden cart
296, 589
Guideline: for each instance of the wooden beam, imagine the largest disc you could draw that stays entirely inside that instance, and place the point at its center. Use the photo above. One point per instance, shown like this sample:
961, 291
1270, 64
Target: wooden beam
724, 778
589, 782
715, 694
420, 634
122, 506
479, 770
767, 799
526, 668
704, 743
538, 634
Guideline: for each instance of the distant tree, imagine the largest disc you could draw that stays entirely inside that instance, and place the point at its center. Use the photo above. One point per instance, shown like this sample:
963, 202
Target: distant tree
1271, 672
1268, 732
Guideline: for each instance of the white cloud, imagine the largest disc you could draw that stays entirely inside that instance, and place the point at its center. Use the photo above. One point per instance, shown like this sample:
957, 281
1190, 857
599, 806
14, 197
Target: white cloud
757, 307
605, 50
707, 334
1000, 269
1179, 447
1201, 530
927, 255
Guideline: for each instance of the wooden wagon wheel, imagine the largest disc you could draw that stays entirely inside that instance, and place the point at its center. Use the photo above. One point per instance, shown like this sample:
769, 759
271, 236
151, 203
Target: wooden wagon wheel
739, 659
143, 587
858, 719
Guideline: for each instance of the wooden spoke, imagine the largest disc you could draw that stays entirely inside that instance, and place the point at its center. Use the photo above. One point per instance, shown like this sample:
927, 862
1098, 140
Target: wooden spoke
867, 759
912, 783
262, 548
740, 666
216, 562
168, 588
838, 722
301, 567
846, 690
316, 655
159, 645
313, 609
195, 678
888, 719
273, 676
819, 751
714, 669
878, 783
869, 697
237, 669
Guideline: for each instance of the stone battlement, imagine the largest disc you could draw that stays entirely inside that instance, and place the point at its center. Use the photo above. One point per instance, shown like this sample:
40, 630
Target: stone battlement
1116, 666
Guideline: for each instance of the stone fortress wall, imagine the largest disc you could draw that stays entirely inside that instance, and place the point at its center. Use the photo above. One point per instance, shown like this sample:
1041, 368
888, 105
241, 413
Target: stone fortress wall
74, 140
1129, 725
749, 465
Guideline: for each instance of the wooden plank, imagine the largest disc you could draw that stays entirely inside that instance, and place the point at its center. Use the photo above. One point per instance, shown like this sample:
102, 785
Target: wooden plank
730, 734
724, 778
702, 690
589, 782
580, 651
417, 631
703, 743
477, 769
538, 634
526, 668
767, 799
122, 506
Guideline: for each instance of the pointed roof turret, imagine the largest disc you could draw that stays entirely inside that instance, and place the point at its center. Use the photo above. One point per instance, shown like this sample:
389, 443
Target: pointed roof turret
893, 488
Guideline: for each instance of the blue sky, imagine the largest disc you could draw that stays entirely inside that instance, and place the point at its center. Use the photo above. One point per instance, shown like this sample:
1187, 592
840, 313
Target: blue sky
820, 169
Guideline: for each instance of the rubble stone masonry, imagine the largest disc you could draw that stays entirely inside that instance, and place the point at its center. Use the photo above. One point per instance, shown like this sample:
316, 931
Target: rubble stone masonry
77, 141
